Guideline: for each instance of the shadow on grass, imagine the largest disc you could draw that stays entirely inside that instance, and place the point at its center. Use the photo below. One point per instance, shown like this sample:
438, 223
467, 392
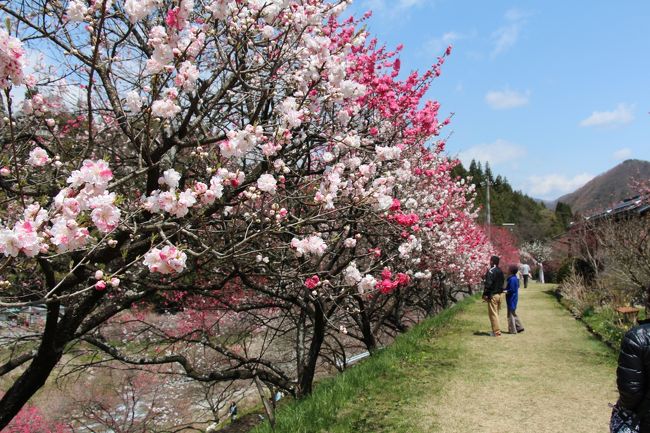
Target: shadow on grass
551, 292
482, 334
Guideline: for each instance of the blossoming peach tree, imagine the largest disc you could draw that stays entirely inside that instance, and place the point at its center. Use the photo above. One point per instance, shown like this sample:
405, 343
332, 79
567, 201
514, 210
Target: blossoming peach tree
258, 162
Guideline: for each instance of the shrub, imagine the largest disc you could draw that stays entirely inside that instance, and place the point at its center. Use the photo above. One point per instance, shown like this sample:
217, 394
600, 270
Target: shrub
577, 265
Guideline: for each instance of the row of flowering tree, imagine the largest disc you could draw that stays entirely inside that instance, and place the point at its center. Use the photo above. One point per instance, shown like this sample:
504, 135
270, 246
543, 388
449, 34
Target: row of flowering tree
259, 164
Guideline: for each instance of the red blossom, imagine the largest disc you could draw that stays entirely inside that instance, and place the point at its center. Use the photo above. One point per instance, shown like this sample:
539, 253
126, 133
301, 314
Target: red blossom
312, 282
172, 19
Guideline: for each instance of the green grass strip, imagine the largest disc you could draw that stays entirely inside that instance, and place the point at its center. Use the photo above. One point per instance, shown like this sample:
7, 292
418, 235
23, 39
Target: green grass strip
373, 396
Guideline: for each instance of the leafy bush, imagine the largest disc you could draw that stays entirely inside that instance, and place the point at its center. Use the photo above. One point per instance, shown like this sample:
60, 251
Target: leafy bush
577, 266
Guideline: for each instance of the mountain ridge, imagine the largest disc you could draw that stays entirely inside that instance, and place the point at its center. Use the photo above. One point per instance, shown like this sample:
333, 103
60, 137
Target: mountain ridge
608, 188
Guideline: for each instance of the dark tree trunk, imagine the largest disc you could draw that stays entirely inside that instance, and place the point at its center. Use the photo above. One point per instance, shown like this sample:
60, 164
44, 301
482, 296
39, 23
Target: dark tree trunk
445, 296
306, 377
398, 313
34, 377
431, 303
366, 328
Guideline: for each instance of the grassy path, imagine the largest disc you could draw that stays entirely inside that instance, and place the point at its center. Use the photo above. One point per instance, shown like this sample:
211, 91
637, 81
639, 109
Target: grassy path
553, 377
448, 376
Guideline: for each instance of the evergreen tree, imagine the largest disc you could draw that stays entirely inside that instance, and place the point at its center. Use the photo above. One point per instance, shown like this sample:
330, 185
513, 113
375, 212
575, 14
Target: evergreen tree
563, 214
476, 172
488, 173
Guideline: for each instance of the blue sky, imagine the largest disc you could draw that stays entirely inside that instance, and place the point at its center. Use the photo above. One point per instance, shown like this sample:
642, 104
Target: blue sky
551, 93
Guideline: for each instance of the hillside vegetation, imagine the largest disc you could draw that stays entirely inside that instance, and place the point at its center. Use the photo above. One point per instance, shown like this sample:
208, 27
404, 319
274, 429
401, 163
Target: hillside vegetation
531, 219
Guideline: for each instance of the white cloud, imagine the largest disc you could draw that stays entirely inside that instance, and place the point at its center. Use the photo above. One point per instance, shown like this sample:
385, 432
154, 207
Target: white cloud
504, 99
621, 115
438, 45
506, 36
555, 185
495, 153
623, 153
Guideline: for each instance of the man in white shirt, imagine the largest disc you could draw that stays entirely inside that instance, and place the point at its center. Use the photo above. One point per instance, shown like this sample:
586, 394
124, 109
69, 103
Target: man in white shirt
525, 272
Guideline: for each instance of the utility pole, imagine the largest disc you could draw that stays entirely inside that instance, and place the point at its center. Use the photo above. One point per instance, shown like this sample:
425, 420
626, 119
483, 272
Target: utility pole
487, 208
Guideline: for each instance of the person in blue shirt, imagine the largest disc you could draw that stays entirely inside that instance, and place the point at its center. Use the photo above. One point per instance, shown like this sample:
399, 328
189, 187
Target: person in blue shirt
512, 297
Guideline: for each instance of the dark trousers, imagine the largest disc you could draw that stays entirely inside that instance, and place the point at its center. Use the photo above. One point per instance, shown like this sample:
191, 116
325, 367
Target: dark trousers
525, 280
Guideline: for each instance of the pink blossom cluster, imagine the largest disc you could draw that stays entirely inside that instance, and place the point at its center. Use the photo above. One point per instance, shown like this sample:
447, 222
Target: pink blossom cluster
267, 183
177, 18
406, 220
77, 10
80, 10
178, 203
187, 76
25, 237
440, 229
59, 226
38, 157
39, 105
351, 83
167, 260
175, 47
11, 60
389, 283
240, 142
137, 10
313, 245
167, 107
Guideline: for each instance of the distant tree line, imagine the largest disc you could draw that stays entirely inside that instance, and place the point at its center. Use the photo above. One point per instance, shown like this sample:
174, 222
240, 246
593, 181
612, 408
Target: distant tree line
531, 218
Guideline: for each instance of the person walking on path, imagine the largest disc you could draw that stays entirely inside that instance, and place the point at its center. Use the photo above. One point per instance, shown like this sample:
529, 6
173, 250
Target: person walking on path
632, 376
541, 272
512, 297
525, 272
492, 293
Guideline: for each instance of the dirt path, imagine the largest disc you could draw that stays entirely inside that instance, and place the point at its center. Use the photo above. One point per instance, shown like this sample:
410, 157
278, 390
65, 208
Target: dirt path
553, 377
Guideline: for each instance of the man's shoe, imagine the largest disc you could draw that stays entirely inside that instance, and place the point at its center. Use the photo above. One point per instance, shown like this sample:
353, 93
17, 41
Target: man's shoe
520, 331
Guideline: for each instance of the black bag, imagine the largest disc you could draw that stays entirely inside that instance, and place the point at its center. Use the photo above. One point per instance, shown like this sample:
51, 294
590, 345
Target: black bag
624, 420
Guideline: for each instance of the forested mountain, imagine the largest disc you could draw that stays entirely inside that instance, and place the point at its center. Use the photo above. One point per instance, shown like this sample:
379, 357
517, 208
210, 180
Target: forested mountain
609, 188
531, 219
